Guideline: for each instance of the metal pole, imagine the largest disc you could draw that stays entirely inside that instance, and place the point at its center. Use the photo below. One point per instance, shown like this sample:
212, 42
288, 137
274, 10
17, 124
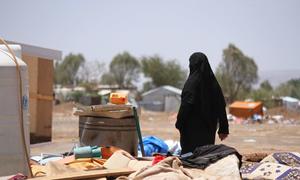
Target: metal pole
138, 128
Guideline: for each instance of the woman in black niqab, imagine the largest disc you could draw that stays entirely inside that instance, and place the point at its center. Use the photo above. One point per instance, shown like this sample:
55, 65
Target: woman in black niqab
202, 107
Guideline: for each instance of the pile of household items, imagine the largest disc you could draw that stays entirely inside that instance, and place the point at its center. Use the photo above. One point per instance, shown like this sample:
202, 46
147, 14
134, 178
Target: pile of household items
206, 162
109, 148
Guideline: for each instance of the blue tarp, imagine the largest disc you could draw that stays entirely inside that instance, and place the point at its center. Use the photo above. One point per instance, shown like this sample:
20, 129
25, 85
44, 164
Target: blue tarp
153, 144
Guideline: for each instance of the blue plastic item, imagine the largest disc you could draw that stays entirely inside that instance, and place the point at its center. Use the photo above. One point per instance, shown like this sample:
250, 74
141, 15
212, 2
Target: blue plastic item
153, 144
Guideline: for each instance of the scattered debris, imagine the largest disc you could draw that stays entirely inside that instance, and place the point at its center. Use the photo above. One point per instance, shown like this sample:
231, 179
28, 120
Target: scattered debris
250, 140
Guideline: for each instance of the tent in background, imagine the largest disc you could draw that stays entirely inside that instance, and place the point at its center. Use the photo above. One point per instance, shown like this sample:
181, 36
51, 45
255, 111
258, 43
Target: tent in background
245, 110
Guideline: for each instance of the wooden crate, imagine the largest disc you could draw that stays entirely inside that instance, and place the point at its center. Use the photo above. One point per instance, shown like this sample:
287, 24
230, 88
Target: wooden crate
40, 97
41, 74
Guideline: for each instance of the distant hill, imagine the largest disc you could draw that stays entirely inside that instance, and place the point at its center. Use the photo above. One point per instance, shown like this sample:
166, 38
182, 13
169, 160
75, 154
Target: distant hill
276, 77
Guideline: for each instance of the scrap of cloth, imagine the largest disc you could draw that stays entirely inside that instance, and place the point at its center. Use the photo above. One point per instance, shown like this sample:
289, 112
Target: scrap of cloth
169, 168
224, 169
203, 156
202, 106
281, 165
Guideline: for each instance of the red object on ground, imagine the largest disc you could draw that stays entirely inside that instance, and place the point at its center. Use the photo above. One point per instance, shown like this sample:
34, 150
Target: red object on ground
157, 159
108, 151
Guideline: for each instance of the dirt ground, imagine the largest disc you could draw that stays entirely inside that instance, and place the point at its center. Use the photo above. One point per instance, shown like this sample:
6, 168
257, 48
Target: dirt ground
246, 138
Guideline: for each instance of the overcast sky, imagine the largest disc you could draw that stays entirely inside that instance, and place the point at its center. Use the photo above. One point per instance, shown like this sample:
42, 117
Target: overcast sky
266, 30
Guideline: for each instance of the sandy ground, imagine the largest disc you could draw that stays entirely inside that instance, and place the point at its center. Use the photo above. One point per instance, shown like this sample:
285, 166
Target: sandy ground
246, 138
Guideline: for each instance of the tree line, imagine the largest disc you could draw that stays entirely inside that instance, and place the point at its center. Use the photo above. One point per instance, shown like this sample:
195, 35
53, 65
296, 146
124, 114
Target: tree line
124, 70
237, 74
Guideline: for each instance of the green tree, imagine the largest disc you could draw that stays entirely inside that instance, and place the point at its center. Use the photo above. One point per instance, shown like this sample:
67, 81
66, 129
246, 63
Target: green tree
162, 73
236, 73
263, 93
266, 85
90, 72
123, 70
289, 88
108, 78
66, 71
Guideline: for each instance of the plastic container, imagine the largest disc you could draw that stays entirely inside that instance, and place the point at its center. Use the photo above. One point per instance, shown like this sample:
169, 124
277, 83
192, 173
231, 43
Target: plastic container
87, 152
12, 153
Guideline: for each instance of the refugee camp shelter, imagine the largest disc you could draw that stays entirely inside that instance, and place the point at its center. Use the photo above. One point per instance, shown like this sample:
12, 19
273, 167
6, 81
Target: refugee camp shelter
164, 98
291, 103
245, 110
40, 71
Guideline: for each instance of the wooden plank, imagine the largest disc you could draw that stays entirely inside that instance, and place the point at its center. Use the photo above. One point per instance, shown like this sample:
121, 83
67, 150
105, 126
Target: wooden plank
44, 118
44, 107
110, 111
32, 64
32, 115
115, 115
103, 108
91, 174
45, 77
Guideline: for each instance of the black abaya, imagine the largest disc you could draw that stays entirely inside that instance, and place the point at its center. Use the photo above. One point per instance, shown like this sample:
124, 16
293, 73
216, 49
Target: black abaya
202, 106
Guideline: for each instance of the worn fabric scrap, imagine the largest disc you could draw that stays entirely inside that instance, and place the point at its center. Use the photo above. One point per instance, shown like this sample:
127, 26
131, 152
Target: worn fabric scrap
224, 169
54, 168
169, 168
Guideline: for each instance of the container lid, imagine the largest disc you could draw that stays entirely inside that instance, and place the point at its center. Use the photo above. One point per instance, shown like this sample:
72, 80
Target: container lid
6, 57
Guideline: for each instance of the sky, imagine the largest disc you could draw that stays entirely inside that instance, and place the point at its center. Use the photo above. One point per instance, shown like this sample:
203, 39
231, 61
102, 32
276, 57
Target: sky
266, 30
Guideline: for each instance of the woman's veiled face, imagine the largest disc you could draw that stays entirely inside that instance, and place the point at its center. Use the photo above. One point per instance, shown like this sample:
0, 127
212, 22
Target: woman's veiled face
197, 60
